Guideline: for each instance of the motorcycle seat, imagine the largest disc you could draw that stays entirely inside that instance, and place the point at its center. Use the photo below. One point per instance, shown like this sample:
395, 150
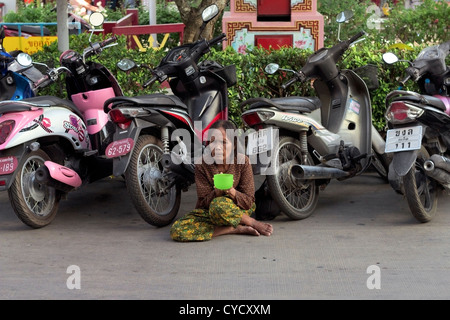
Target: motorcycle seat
294, 104
51, 101
431, 101
150, 100
36, 30
27, 104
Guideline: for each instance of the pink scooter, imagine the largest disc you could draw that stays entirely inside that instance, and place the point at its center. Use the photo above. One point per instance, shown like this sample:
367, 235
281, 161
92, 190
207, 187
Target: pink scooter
50, 146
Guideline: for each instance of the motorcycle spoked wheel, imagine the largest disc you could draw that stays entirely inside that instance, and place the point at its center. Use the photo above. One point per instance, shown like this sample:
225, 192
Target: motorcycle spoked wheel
296, 202
34, 204
144, 183
421, 190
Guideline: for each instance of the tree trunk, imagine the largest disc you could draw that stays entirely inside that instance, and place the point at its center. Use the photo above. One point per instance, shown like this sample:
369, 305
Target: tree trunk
192, 18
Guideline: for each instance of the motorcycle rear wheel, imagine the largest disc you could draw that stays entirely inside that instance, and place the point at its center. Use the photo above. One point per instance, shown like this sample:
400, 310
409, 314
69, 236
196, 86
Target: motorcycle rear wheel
296, 202
144, 183
35, 204
421, 190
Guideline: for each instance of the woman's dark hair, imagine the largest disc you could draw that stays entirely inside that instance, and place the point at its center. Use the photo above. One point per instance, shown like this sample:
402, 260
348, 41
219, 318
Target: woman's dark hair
230, 129
223, 124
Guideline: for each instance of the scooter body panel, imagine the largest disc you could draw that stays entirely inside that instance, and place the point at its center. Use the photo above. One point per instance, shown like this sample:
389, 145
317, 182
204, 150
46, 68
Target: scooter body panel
346, 110
44, 122
91, 103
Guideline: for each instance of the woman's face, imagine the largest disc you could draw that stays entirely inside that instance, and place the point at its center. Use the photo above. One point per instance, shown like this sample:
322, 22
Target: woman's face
221, 147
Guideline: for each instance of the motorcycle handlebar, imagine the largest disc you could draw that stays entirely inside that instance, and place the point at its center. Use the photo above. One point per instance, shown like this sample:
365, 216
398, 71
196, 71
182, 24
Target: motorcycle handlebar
357, 36
290, 82
96, 47
108, 41
404, 80
151, 81
217, 39
298, 77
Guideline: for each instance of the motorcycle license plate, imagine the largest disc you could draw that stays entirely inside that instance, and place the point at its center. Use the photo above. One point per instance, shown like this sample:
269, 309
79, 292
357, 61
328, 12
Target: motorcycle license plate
8, 165
119, 148
403, 139
260, 141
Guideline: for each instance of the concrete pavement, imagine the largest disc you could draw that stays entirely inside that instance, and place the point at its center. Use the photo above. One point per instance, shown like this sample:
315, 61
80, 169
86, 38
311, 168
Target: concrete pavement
361, 243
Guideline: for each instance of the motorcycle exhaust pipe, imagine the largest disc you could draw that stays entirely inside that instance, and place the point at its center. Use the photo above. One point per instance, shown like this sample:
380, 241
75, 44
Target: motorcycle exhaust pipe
180, 169
301, 172
42, 176
438, 162
438, 168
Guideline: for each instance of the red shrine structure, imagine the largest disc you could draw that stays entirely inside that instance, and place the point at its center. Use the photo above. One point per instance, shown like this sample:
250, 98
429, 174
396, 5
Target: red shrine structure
273, 23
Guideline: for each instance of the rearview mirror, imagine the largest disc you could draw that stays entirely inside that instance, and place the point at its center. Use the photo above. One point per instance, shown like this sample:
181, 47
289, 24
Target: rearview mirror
126, 64
210, 13
24, 59
271, 68
390, 58
344, 16
96, 19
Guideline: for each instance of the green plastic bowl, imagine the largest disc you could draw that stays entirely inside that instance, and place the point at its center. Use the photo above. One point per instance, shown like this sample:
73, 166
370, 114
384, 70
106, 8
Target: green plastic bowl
223, 181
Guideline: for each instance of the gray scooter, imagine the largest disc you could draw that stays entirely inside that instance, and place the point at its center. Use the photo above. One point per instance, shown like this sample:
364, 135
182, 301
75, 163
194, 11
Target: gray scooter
314, 139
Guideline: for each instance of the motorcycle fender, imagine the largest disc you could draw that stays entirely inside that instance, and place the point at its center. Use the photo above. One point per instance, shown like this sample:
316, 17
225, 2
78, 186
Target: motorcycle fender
53, 121
120, 164
12, 155
403, 161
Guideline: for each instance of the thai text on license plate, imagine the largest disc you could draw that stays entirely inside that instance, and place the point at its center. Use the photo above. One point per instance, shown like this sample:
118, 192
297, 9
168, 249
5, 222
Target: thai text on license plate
260, 141
8, 165
403, 139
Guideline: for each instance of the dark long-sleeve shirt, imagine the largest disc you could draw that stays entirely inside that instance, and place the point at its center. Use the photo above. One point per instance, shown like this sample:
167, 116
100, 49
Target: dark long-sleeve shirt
243, 182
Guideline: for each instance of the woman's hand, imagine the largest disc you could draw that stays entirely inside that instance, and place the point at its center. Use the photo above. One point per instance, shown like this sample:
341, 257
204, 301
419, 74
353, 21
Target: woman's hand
218, 192
231, 192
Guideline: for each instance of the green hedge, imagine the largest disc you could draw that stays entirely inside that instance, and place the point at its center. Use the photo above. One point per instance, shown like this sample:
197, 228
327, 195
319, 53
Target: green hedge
252, 80
428, 23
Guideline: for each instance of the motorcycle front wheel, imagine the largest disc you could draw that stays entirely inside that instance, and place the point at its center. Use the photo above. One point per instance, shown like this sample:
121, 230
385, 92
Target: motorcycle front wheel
35, 204
421, 190
156, 204
297, 201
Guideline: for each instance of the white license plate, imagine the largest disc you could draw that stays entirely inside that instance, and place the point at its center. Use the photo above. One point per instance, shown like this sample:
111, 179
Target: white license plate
403, 139
260, 141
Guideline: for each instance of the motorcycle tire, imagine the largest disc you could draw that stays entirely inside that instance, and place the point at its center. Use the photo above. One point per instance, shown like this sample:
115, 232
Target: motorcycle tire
420, 190
35, 204
143, 180
297, 202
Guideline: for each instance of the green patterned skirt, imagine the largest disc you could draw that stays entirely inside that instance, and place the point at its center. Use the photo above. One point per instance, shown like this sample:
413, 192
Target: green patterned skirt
199, 224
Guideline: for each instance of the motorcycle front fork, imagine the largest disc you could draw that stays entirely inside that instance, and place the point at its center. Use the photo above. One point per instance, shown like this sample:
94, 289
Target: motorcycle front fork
304, 147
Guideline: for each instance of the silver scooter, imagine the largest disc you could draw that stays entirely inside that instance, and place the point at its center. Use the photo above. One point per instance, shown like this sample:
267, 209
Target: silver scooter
312, 140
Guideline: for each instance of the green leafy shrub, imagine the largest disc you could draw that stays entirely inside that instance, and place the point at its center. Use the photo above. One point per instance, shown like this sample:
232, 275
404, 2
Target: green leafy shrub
252, 79
131, 82
428, 22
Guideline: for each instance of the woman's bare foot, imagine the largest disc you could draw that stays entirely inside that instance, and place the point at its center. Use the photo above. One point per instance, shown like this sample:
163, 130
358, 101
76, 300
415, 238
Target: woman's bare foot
263, 228
241, 229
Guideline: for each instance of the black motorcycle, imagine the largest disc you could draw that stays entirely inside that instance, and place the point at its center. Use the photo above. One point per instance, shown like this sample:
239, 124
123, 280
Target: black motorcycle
419, 131
159, 135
